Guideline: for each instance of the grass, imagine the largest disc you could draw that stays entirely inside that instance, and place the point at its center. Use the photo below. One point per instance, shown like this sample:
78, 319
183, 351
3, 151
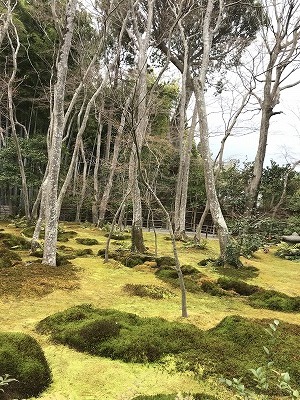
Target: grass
80, 376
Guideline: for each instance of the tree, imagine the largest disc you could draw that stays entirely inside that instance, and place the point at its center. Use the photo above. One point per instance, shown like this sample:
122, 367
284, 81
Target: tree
55, 138
279, 57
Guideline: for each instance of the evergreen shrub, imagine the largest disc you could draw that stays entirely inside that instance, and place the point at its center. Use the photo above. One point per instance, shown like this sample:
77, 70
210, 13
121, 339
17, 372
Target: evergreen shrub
23, 359
288, 252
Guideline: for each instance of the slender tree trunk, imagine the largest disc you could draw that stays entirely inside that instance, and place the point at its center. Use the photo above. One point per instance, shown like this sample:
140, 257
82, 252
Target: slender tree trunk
141, 124
96, 199
56, 137
199, 88
80, 133
84, 184
113, 164
15, 51
197, 237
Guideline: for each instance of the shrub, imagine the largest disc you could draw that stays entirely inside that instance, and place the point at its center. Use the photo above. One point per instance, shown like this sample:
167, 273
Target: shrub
152, 291
87, 241
232, 254
22, 358
288, 252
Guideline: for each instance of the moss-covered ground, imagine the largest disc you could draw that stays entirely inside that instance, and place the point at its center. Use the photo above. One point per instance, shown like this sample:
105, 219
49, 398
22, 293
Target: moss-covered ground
89, 280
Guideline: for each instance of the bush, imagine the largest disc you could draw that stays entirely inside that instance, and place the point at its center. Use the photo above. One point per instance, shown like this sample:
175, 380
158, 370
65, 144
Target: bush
152, 291
22, 358
87, 241
288, 252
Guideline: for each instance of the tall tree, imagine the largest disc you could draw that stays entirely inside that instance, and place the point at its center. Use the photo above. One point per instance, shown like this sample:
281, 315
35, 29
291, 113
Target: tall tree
55, 138
279, 57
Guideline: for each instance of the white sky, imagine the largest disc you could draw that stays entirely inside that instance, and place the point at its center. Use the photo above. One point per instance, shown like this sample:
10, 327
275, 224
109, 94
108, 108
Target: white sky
284, 136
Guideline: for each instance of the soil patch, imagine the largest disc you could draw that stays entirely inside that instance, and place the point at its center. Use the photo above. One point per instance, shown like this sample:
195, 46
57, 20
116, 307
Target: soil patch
36, 280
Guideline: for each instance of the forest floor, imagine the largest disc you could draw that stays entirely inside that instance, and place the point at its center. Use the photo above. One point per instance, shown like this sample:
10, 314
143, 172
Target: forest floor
31, 293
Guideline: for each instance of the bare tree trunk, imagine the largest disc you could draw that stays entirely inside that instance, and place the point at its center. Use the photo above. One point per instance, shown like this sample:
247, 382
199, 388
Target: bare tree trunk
84, 184
197, 237
15, 51
113, 164
56, 137
199, 88
141, 123
80, 132
281, 43
96, 199
285, 183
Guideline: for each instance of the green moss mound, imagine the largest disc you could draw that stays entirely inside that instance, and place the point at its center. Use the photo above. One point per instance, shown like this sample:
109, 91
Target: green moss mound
152, 291
14, 242
245, 272
87, 241
238, 286
257, 297
196, 396
192, 277
118, 236
128, 258
236, 344
119, 335
273, 300
8, 258
84, 252
22, 358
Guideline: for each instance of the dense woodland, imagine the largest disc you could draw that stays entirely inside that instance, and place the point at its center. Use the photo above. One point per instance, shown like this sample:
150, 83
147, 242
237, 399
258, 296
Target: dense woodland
101, 102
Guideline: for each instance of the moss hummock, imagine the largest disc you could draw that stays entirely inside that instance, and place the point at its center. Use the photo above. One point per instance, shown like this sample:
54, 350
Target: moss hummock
23, 359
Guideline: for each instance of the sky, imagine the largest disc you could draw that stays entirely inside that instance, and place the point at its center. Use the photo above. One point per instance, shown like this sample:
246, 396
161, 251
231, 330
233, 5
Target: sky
284, 136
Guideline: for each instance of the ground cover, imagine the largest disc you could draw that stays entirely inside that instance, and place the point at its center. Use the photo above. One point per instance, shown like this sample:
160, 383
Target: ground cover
103, 286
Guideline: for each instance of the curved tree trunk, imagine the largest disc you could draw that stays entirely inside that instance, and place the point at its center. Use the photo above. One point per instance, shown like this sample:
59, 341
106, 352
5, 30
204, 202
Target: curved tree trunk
199, 88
